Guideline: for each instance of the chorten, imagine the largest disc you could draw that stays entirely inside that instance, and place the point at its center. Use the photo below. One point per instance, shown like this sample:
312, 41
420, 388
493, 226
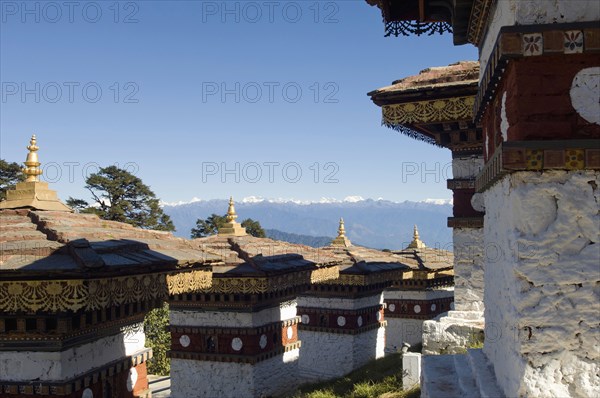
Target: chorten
74, 290
348, 310
341, 239
33, 193
232, 227
242, 333
416, 243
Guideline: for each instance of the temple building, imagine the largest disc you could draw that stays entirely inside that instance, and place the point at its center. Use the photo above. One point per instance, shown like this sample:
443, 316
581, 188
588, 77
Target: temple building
537, 104
240, 337
343, 321
423, 293
436, 106
74, 292
248, 316
253, 316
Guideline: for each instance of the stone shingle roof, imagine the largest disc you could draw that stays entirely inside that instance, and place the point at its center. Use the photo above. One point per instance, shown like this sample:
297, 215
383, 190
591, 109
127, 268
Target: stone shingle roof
451, 77
362, 260
45, 242
249, 255
427, 258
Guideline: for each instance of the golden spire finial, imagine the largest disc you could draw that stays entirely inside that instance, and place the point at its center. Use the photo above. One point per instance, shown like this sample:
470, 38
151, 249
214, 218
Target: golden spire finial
33, 193
32, 171
231, 215
341, 229
416, 243
341, 239
231, 227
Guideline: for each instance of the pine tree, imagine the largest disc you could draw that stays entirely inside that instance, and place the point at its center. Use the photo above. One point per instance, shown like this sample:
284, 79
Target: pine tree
10, 175
121, 196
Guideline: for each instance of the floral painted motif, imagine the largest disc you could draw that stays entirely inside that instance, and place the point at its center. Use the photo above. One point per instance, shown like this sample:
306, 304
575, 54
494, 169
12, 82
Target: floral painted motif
532, 44
573, 41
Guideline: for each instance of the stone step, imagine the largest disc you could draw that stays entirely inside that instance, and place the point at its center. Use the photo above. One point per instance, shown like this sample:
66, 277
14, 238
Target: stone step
458, 376
438, 377
464, 375
475, 316
483, 374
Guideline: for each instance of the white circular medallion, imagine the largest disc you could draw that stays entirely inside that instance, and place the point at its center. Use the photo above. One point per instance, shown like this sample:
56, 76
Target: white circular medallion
359, 321
378, 315
263, 341
341, 321
585, 90
132, 379
477, 202
290, 332
392, 307
417, 308
433, 307
305, 319
236, 343
184, 340
87, 393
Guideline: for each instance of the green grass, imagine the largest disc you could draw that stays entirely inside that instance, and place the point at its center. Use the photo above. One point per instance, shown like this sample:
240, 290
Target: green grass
377, 379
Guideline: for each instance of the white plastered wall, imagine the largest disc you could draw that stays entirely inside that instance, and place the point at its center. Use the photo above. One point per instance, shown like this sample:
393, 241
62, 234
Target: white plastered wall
541, 290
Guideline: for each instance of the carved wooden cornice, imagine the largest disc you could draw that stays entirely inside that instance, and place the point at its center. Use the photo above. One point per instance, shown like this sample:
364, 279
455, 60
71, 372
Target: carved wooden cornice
256, 285
480, 12
466, 19
465, 222
439, 110
460, 183
54, 296
324, 274
91, 294
415, 17
366, 280
439, 281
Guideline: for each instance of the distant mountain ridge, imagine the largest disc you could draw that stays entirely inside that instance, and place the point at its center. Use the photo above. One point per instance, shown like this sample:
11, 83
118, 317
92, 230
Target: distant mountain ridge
308, 240
323, 200
373, 223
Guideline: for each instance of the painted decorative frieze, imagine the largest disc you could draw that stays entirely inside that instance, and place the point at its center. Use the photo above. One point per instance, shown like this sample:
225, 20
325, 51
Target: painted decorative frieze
73, 295
241, 345
518, 41
439, 110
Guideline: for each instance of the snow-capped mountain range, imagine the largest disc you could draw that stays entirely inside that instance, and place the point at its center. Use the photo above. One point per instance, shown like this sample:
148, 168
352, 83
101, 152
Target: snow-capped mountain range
347, 199
374, 223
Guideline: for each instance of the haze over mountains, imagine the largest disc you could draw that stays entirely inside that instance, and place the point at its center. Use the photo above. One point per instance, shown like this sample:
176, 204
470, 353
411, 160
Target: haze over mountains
373, 223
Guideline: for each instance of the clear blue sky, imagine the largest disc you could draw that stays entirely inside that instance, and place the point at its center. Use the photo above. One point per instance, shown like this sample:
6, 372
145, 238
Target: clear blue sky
167, 116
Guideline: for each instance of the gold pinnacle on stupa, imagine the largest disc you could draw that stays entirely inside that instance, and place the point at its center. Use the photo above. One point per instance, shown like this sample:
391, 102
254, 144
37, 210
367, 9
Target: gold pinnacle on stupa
341, 239
341, 229
416, 243
231, 215
33, 193
32, 164
231, 227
